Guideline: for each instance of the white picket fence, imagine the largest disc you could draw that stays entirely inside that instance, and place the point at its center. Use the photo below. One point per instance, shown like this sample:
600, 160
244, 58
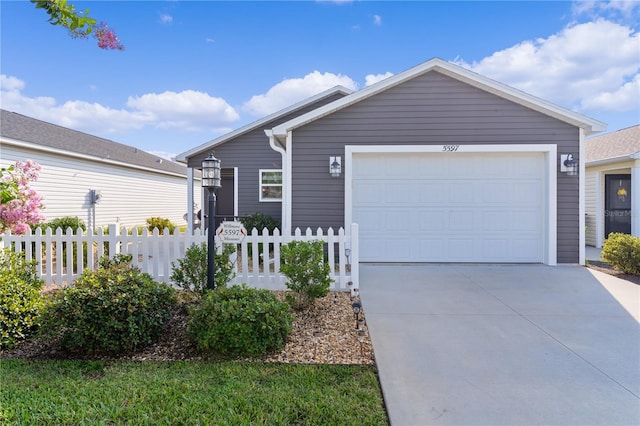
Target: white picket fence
154, 253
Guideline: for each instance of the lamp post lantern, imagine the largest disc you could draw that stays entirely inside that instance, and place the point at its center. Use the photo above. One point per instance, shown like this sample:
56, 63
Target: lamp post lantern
211, 181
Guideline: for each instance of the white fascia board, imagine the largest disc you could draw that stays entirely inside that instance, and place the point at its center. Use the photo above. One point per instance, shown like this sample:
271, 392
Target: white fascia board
550, 254
38, 147
256, 124
590, 125
613, 160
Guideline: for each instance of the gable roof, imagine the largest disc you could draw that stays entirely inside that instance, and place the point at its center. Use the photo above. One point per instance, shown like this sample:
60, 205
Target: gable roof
590, 125
618, 145
261, 122
18, 129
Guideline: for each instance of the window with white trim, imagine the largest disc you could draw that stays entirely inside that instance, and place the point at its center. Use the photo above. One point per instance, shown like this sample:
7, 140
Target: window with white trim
270, 185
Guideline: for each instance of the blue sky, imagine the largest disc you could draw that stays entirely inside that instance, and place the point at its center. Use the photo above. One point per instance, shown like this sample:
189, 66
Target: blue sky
193, 70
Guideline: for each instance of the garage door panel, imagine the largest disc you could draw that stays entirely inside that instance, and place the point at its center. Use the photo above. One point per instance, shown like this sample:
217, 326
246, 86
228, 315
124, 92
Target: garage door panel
460, 249
366, 193
435, 207
461, 220
397, 193
495, 249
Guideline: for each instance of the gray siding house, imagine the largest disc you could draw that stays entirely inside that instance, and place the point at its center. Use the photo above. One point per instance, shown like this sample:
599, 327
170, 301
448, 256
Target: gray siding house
251, 168
439, 164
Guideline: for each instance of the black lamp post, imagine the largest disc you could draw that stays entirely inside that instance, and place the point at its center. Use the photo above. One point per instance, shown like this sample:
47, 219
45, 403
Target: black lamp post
211, 181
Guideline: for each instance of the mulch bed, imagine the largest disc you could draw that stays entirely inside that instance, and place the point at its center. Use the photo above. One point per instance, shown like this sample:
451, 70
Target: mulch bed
325, 333
605, 267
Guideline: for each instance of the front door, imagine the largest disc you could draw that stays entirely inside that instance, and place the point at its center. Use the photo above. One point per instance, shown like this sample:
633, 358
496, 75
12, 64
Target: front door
617, 204
224, 199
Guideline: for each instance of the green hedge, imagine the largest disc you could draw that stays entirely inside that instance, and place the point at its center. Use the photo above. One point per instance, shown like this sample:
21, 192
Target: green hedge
240, 321
112, 310
623, 252
20, 298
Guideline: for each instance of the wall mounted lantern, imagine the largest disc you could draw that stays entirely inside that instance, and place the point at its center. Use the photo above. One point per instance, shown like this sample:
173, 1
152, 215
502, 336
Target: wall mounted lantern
211, 181
568, 165
335, 166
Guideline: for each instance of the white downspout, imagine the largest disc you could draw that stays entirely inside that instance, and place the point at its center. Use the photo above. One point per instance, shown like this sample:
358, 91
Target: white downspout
190, 200
581, 199
285, 173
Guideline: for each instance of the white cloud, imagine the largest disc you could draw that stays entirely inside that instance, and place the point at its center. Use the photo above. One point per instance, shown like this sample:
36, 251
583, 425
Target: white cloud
188, 110
293, 90
625, 98
580, 63
166, 18
209, 40
377, 20
9, 83
624, 8
374, 78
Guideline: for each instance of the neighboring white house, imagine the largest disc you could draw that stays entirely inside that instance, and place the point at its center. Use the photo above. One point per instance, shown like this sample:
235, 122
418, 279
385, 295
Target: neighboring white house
612, 174
96, 179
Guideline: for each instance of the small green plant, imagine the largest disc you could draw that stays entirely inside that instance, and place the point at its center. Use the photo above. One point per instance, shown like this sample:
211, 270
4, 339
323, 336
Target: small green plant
240, 321
160, 223
309, 275
623, 252
112, 310
20, 298
191, 271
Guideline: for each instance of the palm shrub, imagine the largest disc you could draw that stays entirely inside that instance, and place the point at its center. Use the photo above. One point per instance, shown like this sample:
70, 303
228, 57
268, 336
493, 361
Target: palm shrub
111, 310
302, 262
623, 252
239, 321
190, 273
20, 298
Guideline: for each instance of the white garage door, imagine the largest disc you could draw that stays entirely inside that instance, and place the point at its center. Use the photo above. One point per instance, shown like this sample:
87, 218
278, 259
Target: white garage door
449, 207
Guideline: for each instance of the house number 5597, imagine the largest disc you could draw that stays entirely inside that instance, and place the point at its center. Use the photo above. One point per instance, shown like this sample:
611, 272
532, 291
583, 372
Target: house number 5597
450, 148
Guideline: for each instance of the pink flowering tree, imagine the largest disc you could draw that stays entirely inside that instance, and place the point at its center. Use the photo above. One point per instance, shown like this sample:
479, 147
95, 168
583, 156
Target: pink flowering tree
79, 24
19, 205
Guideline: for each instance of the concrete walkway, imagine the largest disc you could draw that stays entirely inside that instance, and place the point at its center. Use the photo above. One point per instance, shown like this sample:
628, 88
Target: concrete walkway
504, 345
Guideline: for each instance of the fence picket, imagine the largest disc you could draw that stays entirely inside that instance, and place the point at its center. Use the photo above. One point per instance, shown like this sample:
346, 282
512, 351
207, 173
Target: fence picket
60, 263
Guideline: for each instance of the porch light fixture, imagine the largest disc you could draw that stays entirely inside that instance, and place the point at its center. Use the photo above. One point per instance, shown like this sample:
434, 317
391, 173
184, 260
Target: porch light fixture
356, 306
211, 181
568, 165
335, 166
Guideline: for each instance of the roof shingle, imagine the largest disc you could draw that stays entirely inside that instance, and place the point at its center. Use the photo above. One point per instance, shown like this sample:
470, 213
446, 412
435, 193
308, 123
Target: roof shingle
621, 143
22, 128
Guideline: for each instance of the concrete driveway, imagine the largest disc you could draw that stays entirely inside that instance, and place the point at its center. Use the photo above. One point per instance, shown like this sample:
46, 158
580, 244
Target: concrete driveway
504, 344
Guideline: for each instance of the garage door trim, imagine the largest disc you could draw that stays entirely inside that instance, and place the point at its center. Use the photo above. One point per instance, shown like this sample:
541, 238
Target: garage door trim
549, 150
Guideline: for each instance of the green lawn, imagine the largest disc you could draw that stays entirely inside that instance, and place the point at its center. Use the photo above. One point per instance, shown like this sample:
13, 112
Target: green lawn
187, 393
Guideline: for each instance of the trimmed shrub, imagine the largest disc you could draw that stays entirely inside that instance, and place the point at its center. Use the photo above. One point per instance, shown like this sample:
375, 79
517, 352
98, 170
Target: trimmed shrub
623, 252
73, 222
240, 321
260, 221
191, 271
160, 223
112, 310
309, 275
76, 224
20, 298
